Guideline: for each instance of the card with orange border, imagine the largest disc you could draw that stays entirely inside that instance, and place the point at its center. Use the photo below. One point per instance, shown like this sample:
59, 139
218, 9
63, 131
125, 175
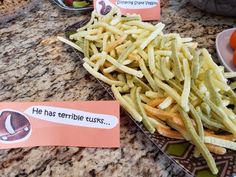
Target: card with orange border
148, 9
83, 123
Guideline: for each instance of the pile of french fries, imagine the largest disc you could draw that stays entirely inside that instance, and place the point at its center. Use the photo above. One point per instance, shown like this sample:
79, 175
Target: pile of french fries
162, 80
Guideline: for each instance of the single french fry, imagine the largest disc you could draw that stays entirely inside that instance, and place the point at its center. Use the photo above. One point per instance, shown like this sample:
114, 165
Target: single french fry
108, 64
151, 58
89, 62
166, 103
180, 129
216, 149
133, 112
187, 86
177, 120
153, 35
224, 137
169, 133
108, 75
144, 98
104, 42
158, 123
147, 75
220, 142
133, 56
124, 68
160, 114
156, 102
70, 43
100, 30
112, 45
101, 77
174, 108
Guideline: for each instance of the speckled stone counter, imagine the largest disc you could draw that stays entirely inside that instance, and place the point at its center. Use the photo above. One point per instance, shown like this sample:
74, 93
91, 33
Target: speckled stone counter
34, 66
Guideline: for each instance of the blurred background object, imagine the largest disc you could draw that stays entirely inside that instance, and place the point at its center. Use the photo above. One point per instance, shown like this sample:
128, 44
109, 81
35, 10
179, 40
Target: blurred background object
75, 5
219, 7
10, 9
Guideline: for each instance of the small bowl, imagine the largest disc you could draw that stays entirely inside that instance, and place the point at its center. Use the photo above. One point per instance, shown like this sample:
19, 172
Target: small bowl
61, 4
224, 51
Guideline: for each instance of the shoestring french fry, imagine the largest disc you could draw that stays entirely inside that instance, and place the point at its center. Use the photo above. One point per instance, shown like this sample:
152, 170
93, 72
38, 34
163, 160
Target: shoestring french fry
179, 88
187, 86
197, 142
153, 95
140, 83
153, 35
144, 98
186, 53
112, 45
198, 121
179, 128
230, 74
124, 68
121, 77
220, 85
89, 62
133, 112
163, 42
143, 54
159, 113
166, 103
216, 149
162, 80
156, 123
220, 142
232, 96
169, 133
102, 77
151, 58
213, 66
147, 75
108, 75
177, 65
169, 90
206, 109
101, 60
224, 137
142, 112
129, 100
122, 57
159, 74
167, 74
72, 44
130, 82
94, 48
155, 102
141, 24
210, 122
222, 115
174, 108
215, 96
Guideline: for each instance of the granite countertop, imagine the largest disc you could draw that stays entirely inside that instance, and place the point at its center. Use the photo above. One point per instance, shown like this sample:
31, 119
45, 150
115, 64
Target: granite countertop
34, 66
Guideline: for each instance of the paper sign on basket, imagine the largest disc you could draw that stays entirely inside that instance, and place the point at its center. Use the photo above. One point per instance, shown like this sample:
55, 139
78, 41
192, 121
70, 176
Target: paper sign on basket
87, 124
148, 9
